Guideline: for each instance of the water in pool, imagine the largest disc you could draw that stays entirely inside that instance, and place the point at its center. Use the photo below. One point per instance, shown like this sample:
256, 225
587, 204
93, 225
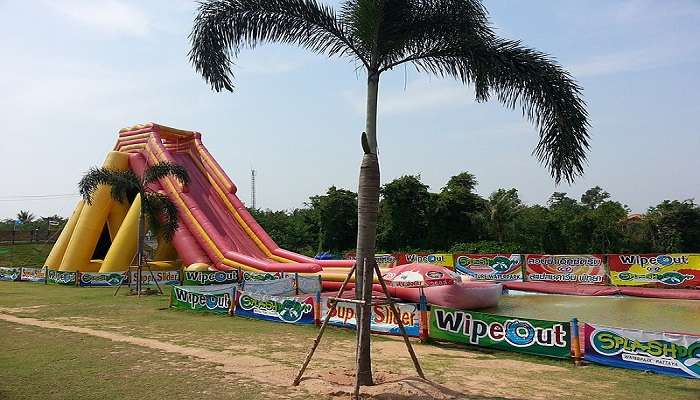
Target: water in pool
624, 312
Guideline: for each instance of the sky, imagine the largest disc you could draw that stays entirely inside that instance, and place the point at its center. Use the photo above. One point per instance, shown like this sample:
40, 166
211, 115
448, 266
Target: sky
73, 72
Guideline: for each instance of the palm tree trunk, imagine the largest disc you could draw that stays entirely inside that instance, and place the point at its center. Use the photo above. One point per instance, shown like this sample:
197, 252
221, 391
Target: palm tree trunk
367, 211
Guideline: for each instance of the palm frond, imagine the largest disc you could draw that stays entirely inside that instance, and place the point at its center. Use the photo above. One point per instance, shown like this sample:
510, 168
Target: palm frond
547, 94
223, 27
161, 170
123, 184
161, 214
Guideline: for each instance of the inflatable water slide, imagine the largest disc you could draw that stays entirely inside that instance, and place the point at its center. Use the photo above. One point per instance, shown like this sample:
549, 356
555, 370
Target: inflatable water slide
216, 231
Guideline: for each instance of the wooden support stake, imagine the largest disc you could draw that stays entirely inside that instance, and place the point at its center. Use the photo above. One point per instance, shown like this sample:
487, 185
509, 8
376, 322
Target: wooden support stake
397, 316
323, 328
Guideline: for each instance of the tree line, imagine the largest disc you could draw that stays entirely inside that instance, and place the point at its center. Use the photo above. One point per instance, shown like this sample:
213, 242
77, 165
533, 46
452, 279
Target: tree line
457, 219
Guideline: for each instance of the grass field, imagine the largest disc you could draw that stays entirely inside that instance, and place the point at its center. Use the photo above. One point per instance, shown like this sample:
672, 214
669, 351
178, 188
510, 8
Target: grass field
71, 343
24, 254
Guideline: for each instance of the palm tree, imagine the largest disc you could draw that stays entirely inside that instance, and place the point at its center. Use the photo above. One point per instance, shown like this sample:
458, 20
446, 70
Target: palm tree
25, 217
156, 208
447, 38
503, 206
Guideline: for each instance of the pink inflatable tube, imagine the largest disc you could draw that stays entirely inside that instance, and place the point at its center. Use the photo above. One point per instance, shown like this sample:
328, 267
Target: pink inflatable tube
183, 241
467, 295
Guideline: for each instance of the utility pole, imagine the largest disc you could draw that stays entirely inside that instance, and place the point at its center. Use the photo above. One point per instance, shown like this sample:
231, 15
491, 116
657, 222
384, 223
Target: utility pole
252, 188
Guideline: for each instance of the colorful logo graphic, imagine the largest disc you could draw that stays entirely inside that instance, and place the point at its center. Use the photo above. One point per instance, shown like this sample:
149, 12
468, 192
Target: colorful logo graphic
657, 353
288, 309
211, 277
498, 267
203, 300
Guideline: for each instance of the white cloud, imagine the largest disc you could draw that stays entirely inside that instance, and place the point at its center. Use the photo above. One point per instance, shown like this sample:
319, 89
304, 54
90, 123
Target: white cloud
632, 61
111, 16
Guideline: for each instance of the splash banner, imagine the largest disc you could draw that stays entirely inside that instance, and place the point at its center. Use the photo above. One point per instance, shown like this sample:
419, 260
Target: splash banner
584, 268
442, 259
490, 267
546, 338
214, 298
383, 320
663, 270
202, 278
163, 278
262, 276
382, 260
33, 274
97, 279
663, 353
292, 310
10, 273
61, 277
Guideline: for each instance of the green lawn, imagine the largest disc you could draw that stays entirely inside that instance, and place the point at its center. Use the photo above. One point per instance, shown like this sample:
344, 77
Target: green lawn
222, 357
24, 254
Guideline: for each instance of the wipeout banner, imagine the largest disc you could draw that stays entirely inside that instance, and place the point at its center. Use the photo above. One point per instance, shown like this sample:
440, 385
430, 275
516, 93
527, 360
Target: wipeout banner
490, 267
10, 273
383, 320
33, 274
214, 298
101, 279
163, 278
665, 270
61, 277
584, 268
292, 310
210, 277
664, 353
443, 259
382, 260
546, 338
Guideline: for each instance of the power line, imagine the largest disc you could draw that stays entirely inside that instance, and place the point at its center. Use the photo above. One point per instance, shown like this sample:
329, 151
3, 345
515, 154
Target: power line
30, 197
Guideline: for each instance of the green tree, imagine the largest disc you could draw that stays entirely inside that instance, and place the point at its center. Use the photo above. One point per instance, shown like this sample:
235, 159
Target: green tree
675, 226
532, 229
405, 210
458, 213
594, 197
502, 208
156, 208
25, 217
336, 218
446, 38
562, 236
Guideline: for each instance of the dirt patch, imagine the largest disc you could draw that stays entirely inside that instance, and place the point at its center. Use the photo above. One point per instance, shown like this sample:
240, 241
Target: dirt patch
13, 310
470, 374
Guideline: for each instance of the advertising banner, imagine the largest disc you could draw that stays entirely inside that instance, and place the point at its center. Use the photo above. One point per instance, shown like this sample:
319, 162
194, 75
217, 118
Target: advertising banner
308, 284
663, 353
293, 310
546, 338
61, 277
383, 320
663, 270
383, 260
278, 287
262, 276
584, 268
101, 279
163, 278
33, 274
10, 273
210, 278
442, 259
213, 298
490, 267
